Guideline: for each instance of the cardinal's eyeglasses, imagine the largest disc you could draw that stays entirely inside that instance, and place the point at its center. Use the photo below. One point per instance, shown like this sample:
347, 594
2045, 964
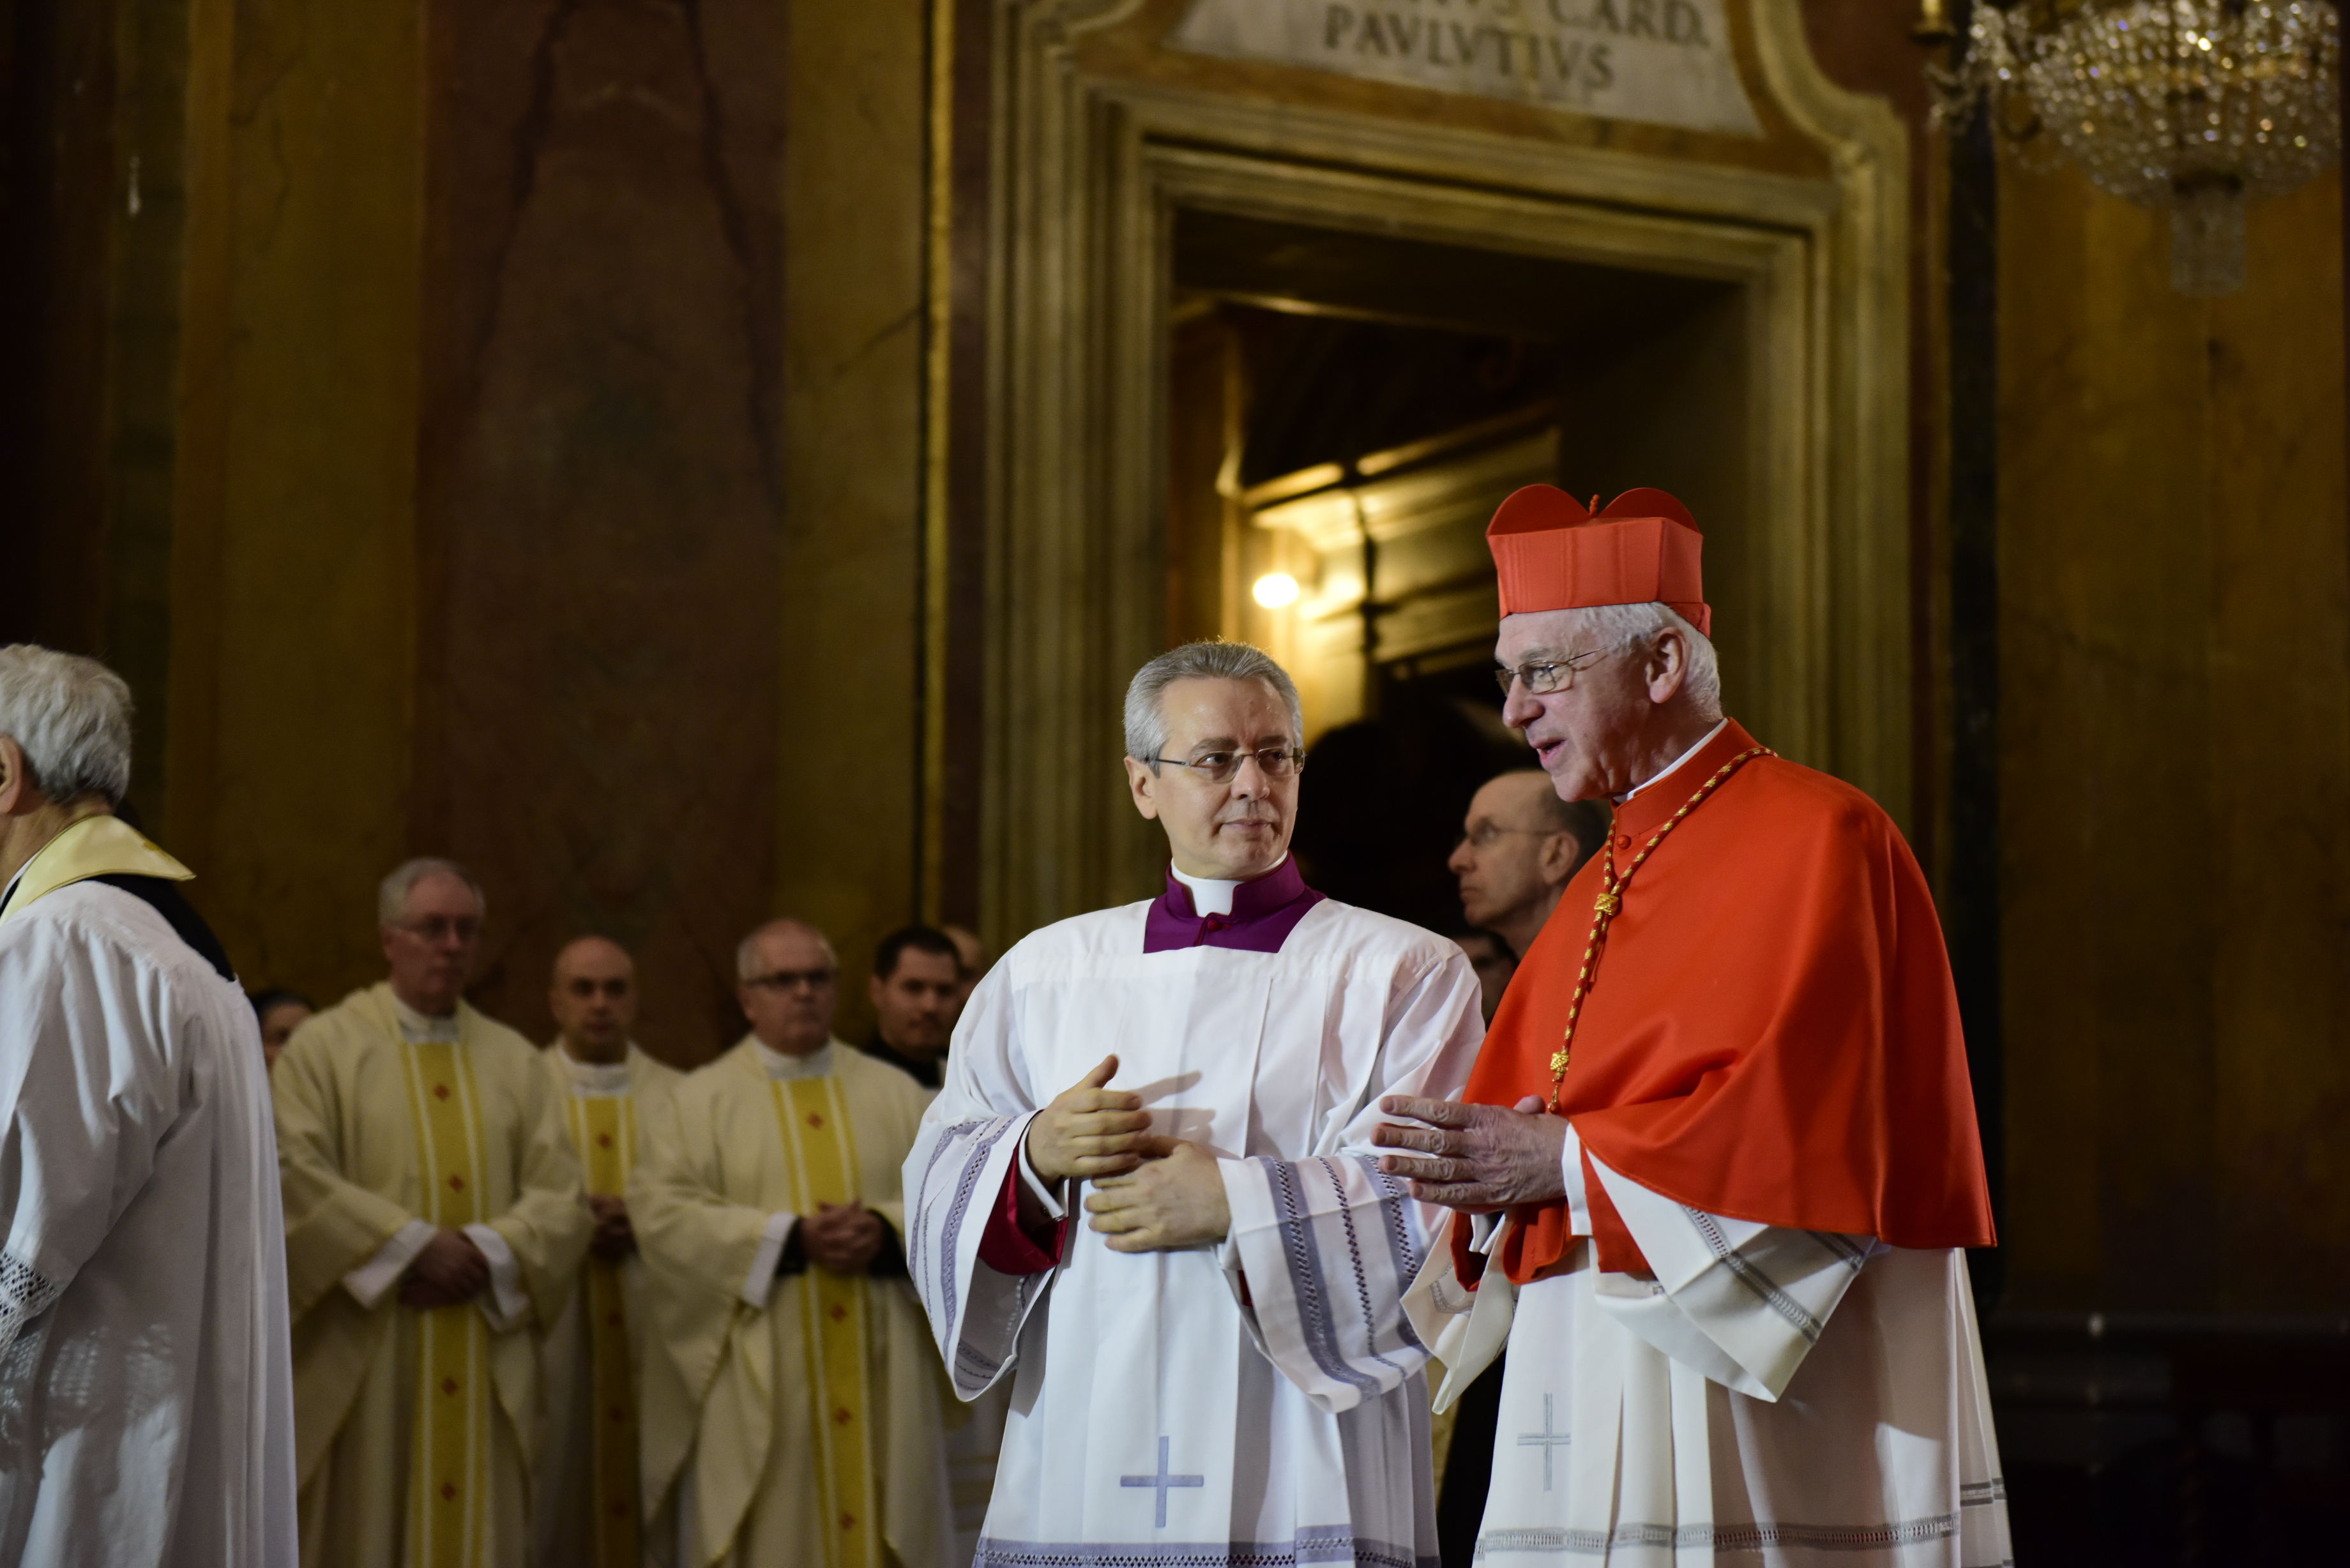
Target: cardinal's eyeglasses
1219, 767
1543, 677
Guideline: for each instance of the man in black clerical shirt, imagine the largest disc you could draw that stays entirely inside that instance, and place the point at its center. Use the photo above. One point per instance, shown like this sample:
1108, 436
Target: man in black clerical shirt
917, 991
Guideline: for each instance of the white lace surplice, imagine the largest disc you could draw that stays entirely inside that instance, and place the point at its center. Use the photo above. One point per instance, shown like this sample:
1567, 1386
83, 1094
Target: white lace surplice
146, 1395
1156, 1418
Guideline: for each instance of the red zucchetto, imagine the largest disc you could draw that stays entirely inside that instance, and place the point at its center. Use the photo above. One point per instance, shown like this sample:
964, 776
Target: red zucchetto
1643, 547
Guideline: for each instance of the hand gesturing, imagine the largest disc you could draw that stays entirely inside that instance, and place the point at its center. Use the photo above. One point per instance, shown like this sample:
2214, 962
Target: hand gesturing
1176, 1199
1090, 1130
1483, 1157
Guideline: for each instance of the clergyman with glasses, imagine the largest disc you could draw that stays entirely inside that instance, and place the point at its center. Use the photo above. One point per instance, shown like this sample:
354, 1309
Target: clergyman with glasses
1147, 1194
1519, 845
790, 1409
434, 1218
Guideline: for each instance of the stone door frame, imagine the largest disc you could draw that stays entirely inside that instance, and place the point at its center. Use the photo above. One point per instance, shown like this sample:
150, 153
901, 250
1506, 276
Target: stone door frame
1088, 175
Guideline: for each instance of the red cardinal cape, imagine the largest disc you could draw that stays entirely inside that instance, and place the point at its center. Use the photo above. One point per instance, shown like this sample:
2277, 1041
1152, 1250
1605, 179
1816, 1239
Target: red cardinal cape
1771, 1035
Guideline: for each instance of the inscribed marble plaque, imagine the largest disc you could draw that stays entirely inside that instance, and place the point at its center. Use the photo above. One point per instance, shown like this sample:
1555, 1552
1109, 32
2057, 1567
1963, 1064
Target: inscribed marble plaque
1667, 62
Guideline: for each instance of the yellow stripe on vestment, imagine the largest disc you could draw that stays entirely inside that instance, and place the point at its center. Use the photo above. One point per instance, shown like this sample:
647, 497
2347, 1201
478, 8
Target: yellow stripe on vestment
449, 1463
823, 1157
94, 847
604, 1129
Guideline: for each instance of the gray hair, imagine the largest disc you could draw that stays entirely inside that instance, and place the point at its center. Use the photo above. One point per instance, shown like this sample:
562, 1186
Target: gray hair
1619, 628
71, 716
1146, 708
391, 897
746, 951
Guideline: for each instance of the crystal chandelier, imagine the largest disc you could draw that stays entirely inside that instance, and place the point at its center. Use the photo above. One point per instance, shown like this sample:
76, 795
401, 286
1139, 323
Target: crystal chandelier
2193, 105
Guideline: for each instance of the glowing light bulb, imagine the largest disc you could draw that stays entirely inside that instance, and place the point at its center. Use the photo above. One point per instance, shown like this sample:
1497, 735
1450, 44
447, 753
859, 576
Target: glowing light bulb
1275, 589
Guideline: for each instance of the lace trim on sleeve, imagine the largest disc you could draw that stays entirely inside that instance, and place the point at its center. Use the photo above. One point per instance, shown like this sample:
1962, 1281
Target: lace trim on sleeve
24, 1295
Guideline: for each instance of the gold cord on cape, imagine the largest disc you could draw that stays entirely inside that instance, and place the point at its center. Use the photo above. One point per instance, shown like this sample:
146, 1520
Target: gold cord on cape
1610, 903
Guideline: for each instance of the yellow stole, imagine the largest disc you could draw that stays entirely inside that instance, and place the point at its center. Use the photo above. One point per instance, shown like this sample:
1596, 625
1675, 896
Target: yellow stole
94, 847
448, 1518
822, 1156
604, 1130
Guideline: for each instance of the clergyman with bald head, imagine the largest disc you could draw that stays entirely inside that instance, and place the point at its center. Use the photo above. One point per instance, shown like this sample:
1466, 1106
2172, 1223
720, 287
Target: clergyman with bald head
604, 1080
1518, 846
1158, 1116
434, 1222
790, 1411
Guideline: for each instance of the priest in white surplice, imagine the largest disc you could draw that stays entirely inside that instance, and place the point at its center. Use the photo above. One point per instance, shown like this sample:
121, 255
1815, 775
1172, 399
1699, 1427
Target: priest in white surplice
1720, 1146
145, 1393
1216, 1368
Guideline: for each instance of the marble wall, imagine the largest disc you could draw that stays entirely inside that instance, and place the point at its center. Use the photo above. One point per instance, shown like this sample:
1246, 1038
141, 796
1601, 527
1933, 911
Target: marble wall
601, 484
540, 495
2174, 641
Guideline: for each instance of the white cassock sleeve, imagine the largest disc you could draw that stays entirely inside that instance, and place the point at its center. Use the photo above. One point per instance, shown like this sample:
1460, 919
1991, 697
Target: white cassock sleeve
369, 1281
1740, 1302
505, 1302
86, 1095
760, 1283
968, 1141
1324, 1247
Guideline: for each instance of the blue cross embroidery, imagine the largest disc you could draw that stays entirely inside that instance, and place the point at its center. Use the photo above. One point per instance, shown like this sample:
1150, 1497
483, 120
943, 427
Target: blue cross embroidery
1161, 1482
1546, 1440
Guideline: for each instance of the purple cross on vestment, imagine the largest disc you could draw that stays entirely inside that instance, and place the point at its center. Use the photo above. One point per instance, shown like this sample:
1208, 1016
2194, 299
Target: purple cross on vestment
1263, 914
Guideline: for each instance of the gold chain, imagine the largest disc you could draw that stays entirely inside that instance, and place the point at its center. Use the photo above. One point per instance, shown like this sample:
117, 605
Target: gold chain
1610, 901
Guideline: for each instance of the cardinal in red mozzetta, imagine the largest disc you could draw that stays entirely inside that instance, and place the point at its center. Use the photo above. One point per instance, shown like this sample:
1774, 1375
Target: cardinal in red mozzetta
1718, 1158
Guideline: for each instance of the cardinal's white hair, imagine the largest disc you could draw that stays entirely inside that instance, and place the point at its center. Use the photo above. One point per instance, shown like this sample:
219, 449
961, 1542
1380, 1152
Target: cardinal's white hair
1145, 709
1618, 629
71, 716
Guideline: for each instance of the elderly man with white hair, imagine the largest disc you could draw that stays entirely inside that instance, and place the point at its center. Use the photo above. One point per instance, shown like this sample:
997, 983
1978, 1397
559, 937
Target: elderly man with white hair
1718, 1156
790, 1407
145, 1389
435, 1217
1215, 1367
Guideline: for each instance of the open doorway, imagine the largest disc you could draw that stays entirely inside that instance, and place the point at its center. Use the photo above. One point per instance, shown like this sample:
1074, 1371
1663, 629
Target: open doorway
1345, 413
1745, 302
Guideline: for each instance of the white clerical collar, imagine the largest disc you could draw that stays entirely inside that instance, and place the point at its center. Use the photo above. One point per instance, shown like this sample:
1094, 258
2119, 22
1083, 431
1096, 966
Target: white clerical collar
783, 1068
595, 1080
1704, 740
417, 1029
1210, 897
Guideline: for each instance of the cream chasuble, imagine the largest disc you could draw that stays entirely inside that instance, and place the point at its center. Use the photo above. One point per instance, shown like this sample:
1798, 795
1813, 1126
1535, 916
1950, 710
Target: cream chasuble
794, 1417
588, 1485
416, 1431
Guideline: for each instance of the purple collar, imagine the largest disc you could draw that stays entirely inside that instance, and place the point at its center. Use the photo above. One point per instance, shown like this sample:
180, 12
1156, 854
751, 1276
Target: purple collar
1263, 914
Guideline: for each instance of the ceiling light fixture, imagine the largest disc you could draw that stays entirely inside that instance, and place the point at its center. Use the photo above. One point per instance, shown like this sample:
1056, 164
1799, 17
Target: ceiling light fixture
2190, 105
